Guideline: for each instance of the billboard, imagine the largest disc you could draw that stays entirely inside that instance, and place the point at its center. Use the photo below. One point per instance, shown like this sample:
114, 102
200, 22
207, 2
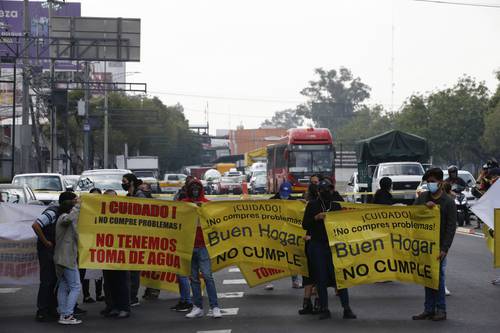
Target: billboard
12, 25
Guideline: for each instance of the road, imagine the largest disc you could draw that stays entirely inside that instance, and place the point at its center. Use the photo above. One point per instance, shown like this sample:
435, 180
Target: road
473, 306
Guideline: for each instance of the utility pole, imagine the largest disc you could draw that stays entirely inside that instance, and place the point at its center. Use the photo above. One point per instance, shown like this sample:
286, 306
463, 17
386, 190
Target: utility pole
25, 129
86, 125
53, 124
13, 133
106, 142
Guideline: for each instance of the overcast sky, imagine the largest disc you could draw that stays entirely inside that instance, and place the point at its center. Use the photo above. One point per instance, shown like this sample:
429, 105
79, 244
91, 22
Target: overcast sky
248, 59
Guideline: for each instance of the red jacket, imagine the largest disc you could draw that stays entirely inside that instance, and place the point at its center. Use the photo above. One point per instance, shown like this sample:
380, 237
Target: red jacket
199, 241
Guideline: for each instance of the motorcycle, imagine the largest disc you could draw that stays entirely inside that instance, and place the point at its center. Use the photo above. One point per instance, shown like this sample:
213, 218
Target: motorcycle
463, 207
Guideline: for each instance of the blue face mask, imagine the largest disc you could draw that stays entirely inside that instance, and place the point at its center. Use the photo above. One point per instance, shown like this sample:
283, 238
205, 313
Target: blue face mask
433, 187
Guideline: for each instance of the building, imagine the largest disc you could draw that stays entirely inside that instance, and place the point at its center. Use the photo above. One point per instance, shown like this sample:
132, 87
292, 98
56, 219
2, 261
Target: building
242, 141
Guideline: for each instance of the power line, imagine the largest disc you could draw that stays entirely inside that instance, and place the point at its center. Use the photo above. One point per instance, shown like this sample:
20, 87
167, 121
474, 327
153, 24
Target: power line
247, 99
459, 3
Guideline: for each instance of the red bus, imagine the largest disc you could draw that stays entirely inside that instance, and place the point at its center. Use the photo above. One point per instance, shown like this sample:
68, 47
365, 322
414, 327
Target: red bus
307, 151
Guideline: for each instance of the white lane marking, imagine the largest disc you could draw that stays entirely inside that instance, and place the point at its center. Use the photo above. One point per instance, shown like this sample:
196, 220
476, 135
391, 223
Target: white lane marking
9, 290
226, 312
235, 281
234, 294
469, 232
215, 331
234, 270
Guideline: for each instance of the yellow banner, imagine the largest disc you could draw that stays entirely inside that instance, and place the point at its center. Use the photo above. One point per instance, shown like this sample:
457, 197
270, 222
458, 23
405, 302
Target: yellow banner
263, 233
496, 241
257, 274
380, 244
136, 234
160, 280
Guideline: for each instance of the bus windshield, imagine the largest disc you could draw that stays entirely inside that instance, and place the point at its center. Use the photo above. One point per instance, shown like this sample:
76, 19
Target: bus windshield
311, 161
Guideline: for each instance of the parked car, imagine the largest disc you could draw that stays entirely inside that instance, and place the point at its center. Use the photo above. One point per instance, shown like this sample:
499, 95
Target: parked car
47, 186
71, 180
104, 179
353, 187
211, 181
259, 184
21, 194
231, 184
405, 176
172, 182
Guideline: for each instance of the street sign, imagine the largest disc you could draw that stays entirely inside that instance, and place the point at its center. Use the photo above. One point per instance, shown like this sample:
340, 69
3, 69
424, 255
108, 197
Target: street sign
86, 127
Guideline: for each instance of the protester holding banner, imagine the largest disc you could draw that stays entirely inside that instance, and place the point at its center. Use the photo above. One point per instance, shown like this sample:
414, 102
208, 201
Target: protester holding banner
320, 252
435, 300
116, 289
66, 259
131, 184
200, 261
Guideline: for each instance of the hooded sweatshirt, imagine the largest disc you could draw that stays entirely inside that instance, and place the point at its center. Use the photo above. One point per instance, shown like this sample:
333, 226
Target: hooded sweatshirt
199, 241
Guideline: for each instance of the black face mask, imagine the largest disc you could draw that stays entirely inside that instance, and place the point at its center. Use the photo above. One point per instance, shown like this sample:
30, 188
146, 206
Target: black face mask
326, 195
125, 187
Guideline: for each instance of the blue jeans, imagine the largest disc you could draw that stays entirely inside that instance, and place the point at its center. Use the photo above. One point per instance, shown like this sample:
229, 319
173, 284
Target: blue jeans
68, 291
200, 262
436, 299
184, 288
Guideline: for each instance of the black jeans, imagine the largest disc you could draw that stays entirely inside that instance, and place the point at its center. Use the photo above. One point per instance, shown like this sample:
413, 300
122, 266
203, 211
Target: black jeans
47, 297
86, 285
117, 290
324, 274
135, 282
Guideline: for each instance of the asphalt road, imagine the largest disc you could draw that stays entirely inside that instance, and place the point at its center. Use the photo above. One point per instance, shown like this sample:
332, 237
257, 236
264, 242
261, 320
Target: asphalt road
474, 305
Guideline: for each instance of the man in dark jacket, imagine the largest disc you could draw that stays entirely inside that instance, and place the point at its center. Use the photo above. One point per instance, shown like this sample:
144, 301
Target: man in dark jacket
320, 252
435, 301
383, 195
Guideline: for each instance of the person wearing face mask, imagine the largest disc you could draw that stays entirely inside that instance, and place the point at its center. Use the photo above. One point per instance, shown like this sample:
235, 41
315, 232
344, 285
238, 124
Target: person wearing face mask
319, 249
131, 184
435, 301
200, 261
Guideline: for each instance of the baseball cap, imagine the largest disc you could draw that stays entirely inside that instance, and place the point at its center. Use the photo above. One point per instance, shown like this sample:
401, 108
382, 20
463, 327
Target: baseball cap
285, 189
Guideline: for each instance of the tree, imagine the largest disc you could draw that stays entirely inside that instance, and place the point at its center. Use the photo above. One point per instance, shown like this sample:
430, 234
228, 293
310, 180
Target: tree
491, 136
333, 98
284, 119
365, 123
451, 119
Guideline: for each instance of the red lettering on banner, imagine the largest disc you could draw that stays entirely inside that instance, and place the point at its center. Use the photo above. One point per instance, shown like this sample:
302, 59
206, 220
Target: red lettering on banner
263, 272
164, 259
160, 276
147, 242
149, 210
136, 257
109, 256
104, 240
113, 207
103, 208
18, 270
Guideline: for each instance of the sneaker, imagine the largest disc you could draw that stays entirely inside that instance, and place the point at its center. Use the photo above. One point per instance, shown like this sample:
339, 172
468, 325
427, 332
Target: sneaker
423, 316
123, 314
184, 307
112, 313
496, 281
446, 291
216, 313
196, 312
324, 314
439, 316
269, 287
100, 298
88, 300
134, 303
69, 320
296, 285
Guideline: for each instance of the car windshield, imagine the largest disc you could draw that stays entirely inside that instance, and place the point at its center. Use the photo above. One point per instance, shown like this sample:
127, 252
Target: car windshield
258, 173
108, 181
144, 174
237, 179
40, 183
311, 161
401, 169
175, 177
72, 181
12, 195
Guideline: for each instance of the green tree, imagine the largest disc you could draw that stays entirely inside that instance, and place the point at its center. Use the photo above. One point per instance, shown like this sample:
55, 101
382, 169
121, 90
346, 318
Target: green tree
491, 136
451, 119
333, 98
284, 119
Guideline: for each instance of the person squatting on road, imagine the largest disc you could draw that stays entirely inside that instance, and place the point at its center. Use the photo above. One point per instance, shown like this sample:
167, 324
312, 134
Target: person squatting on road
66, 259
200, 261
320, 253
435, 300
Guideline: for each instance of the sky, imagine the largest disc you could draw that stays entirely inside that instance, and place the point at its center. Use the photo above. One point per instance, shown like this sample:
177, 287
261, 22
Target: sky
244, 60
